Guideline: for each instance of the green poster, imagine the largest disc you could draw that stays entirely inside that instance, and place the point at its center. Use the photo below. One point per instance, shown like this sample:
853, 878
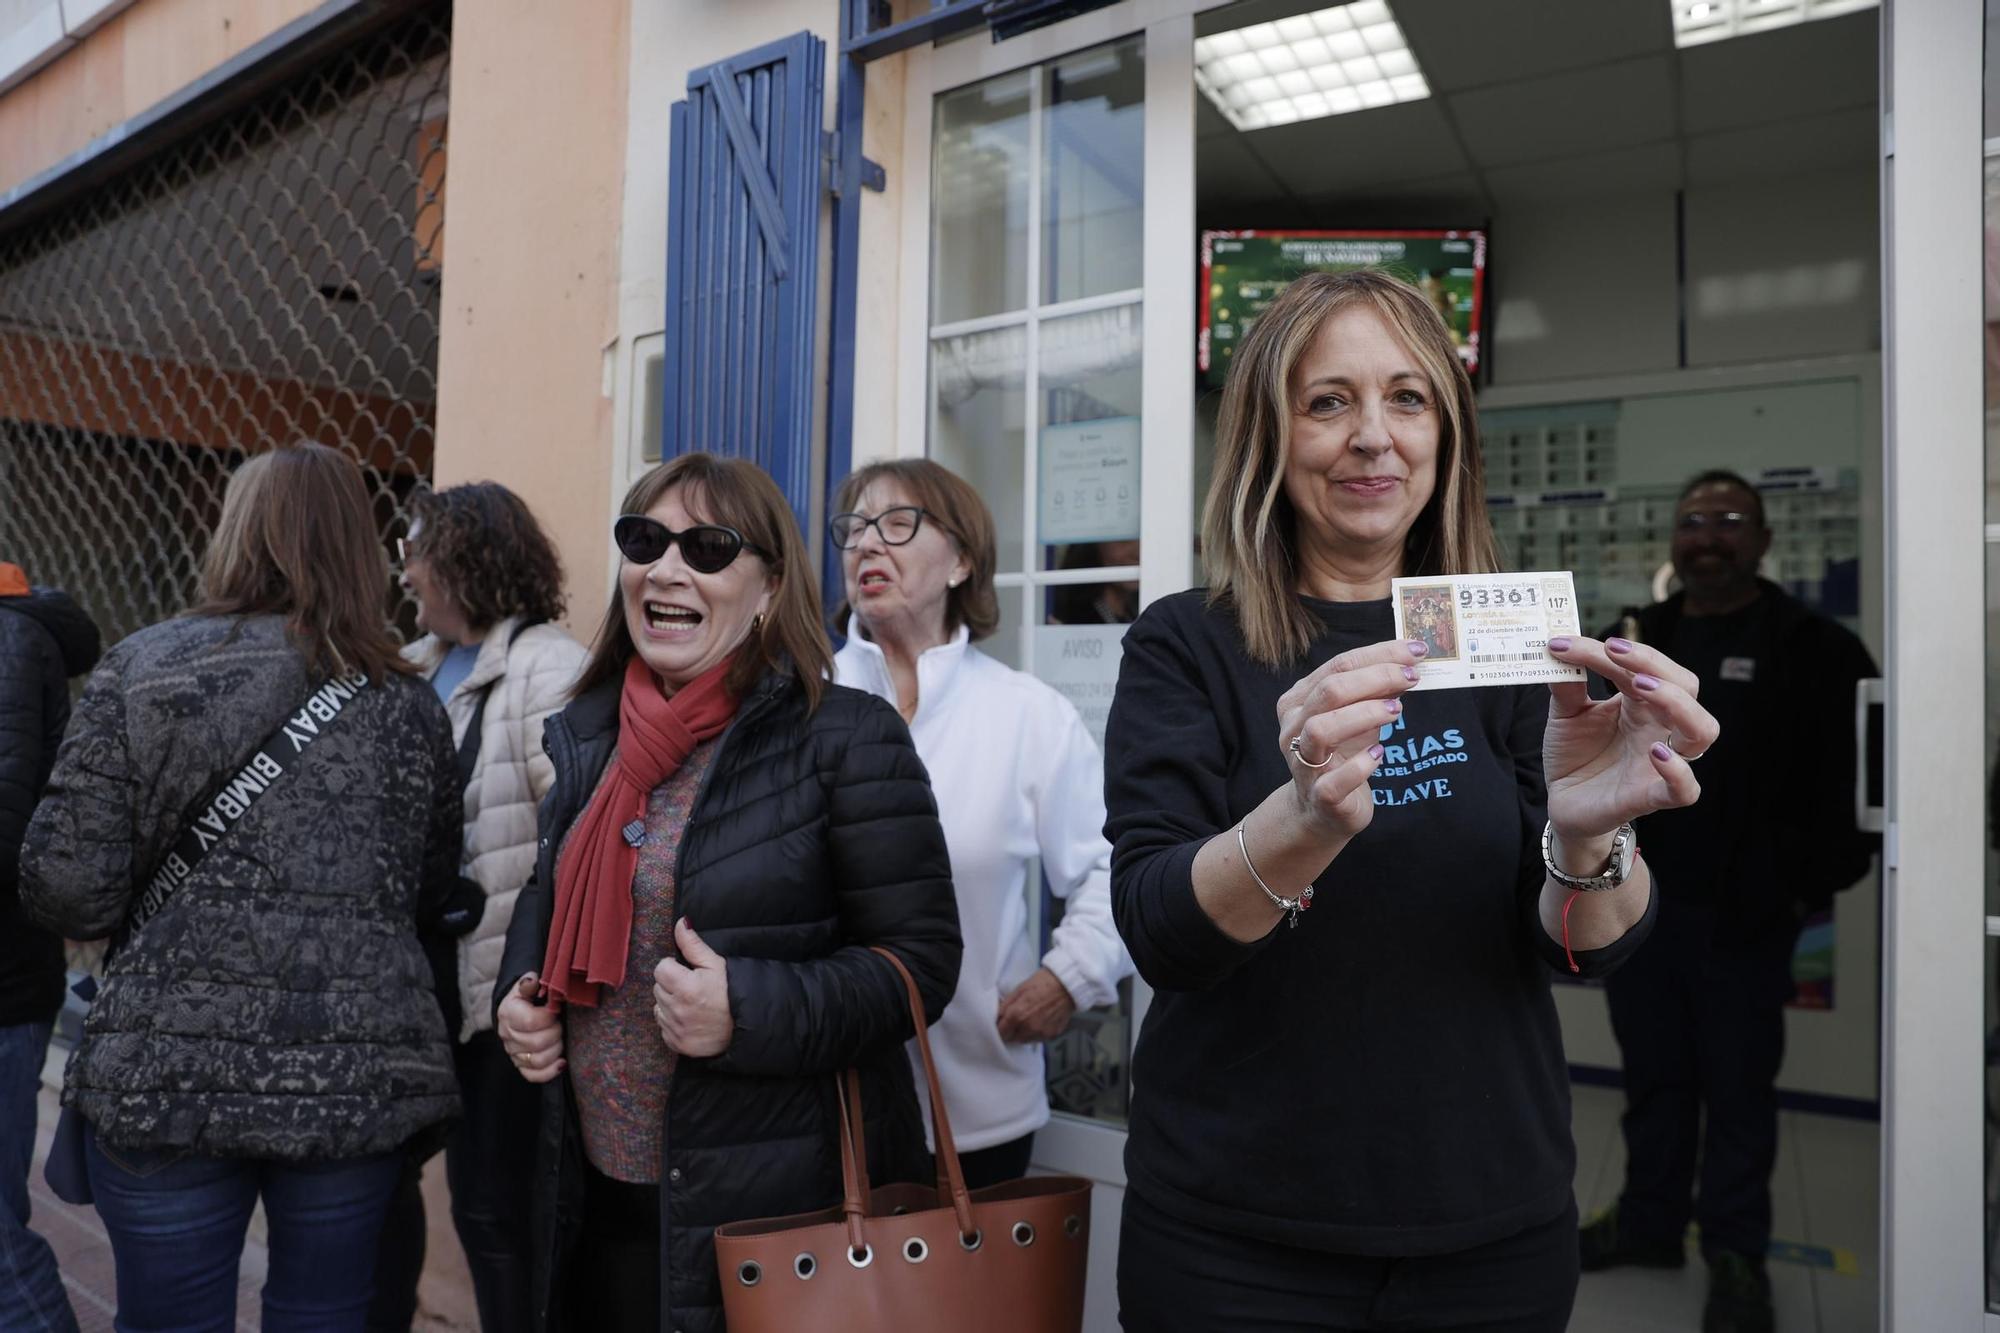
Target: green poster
1241, 271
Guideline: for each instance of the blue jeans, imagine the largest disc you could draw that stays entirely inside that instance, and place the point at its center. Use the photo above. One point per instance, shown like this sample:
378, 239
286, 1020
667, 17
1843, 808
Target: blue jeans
177, 1223
32, 1299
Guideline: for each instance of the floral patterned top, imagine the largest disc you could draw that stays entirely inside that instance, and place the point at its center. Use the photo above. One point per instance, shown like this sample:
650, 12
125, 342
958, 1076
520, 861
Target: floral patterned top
620, 1068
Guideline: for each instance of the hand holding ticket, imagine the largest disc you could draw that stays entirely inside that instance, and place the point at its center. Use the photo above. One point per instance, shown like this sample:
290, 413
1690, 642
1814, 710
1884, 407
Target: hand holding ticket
1487, 629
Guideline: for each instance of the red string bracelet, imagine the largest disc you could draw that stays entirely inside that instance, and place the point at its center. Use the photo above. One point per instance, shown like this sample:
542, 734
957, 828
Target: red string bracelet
1573, 894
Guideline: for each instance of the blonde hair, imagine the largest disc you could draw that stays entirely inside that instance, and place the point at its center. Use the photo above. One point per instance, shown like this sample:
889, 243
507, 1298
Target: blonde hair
1249, 529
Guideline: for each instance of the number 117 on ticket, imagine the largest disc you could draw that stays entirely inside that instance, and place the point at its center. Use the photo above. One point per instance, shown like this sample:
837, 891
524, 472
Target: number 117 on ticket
1487, 629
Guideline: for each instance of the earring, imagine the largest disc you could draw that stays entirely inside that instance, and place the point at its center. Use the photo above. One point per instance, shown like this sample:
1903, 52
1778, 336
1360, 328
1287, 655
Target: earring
757, 623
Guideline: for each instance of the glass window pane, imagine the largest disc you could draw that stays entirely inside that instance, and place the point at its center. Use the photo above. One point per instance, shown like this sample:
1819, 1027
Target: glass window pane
1088, 466
979, 406
1093, 172
1005, 643
1089, 1069
979, 193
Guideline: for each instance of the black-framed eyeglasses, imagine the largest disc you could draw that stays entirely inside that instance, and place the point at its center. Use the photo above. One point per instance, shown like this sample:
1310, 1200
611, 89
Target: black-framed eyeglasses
1699, 521
897, 525
708, 548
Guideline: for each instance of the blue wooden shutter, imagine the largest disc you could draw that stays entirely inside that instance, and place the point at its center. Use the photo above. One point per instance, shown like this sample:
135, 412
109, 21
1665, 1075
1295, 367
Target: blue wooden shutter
743, 209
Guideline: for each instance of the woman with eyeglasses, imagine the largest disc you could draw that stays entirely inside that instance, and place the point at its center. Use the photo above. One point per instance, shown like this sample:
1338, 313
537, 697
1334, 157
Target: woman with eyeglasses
1018, 779
727, 837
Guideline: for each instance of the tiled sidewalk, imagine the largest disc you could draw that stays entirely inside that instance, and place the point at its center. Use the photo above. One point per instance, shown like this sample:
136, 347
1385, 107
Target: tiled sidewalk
84, 1252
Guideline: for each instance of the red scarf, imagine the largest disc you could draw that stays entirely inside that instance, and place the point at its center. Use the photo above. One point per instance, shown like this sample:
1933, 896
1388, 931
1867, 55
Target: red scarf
593, 912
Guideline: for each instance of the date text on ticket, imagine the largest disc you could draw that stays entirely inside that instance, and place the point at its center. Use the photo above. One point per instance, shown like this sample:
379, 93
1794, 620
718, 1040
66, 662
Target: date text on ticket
1487, 629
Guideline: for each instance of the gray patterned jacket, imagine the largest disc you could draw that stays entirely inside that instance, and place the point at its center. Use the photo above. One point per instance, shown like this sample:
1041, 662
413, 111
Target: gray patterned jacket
279, 1006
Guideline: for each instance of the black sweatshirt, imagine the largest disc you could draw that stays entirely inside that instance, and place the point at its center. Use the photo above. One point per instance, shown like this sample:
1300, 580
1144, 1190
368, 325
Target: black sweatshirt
1388, 1077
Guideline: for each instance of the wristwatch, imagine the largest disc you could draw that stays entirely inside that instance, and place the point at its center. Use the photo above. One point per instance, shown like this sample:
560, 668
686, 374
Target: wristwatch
1624, 852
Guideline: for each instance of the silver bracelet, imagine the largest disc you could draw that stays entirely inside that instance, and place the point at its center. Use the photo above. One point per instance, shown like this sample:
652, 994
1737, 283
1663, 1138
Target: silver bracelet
1291, 907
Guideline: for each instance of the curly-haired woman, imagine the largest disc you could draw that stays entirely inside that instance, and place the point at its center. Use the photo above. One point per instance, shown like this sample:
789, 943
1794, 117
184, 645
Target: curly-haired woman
487, 585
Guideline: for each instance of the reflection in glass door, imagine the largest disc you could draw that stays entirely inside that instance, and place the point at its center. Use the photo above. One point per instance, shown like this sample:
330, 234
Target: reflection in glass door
1037, 180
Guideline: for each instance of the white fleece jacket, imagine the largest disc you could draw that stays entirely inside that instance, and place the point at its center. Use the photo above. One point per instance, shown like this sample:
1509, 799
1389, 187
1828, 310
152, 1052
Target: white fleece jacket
1016, 777
530, 679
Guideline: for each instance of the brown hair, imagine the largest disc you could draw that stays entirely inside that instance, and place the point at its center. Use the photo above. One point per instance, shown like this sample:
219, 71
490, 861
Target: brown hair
297, 538
489, 552
738, 494
949, 502
1248, 527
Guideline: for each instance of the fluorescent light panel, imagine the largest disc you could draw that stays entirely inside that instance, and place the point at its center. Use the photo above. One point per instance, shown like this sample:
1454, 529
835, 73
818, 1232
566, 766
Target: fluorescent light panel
1697, 22
1332, 61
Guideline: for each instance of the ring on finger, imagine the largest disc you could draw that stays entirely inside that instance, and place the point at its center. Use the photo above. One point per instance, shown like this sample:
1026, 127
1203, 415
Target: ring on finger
1299, 754
1682, 753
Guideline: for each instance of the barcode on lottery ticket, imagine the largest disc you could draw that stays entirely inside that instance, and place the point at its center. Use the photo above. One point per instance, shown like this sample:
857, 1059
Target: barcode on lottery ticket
1487, 659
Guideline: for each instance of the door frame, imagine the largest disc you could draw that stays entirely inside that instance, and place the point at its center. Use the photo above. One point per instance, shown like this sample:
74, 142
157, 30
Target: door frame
1934, 949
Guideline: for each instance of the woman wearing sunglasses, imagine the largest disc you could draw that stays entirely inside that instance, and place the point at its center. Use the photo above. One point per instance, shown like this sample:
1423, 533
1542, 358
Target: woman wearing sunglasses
1017, 778
727, 836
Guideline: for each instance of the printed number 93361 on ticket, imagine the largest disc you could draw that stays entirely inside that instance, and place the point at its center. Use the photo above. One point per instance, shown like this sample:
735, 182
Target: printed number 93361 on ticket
1487, 629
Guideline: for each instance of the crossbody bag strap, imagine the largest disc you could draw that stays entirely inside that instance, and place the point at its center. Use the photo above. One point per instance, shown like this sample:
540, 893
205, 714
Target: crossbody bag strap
227, 806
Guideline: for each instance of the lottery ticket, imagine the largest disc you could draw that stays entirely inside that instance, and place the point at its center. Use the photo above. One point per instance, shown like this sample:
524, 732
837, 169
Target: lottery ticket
1487, 629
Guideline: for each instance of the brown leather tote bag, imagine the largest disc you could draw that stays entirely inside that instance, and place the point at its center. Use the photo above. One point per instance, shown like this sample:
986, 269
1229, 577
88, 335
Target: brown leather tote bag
1006, 1259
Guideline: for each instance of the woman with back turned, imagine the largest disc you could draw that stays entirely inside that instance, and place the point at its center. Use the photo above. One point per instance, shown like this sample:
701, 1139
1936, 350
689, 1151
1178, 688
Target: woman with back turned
269, 1033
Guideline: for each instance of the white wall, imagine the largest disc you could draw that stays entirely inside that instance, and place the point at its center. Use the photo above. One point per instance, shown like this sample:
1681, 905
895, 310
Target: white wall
1777, 269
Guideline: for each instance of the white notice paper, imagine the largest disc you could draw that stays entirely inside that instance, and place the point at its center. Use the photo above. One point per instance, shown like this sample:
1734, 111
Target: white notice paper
1089, 481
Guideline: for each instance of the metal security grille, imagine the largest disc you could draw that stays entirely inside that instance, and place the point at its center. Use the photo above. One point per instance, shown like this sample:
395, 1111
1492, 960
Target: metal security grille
273, 278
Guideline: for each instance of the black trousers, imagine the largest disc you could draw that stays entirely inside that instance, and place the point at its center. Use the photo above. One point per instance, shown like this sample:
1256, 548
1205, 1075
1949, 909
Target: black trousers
1701, 1025
998, 1164
489, 1163
1178, 1278
614, 1280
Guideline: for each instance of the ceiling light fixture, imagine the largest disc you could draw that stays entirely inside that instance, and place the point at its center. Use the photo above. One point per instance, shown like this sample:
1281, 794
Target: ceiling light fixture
1697, 22
1329, 62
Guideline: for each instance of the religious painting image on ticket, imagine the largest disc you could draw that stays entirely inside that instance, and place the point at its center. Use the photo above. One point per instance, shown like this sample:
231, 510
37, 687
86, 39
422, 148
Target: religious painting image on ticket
1428, 611
1487, 629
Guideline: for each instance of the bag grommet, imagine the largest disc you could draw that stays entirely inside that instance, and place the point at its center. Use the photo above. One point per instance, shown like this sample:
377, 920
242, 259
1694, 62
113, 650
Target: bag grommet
866, 1258
915, 1250
1024, 1234
1072, 1226
749, 1272
804, 1265
972, 1242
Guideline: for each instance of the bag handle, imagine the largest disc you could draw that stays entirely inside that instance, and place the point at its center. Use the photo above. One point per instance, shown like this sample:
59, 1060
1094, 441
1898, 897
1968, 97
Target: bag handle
855, 1190
951, 1177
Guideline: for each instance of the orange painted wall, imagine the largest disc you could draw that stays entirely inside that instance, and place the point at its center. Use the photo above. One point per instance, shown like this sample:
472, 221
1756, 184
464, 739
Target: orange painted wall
136, 60
530, 290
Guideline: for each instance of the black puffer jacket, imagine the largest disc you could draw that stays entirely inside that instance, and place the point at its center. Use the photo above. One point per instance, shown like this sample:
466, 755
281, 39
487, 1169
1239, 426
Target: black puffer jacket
278, 1006
45, 638
812, 837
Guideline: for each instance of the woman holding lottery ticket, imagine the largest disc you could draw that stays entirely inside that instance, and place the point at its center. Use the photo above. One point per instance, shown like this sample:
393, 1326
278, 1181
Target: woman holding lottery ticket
1348, 866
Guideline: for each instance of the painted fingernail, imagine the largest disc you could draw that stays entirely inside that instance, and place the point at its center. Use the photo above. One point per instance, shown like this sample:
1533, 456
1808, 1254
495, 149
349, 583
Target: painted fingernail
1646, 682
1661, 752
1619, 645
1409, 673
1374, 752
1393, 707
1419, 648
1559, 645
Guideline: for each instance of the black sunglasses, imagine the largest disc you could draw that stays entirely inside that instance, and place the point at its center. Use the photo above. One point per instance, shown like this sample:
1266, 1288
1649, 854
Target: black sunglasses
708, 548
